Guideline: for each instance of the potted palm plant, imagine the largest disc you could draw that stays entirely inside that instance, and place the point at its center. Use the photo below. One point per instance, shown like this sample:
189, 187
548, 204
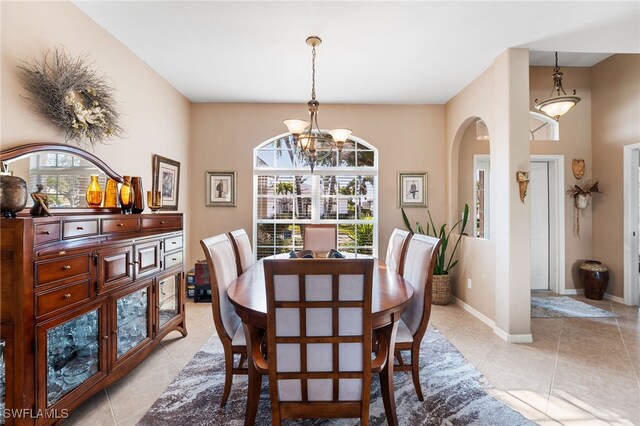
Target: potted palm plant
444, 263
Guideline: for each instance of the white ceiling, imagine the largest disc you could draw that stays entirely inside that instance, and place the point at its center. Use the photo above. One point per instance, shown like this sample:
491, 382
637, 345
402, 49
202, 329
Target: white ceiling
394, 52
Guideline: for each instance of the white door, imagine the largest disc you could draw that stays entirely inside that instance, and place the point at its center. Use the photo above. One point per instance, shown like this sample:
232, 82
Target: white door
539, 196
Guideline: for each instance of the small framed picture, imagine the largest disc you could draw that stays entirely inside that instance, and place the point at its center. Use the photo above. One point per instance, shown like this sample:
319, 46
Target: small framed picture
166, 179
221, 189
412, 189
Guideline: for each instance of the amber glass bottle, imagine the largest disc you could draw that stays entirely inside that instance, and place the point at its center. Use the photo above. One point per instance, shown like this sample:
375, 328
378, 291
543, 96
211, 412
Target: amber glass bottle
94, 192
138, 198
126, 195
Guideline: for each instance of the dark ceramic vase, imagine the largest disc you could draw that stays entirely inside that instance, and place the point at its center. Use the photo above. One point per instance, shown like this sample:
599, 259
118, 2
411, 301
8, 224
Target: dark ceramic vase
138, 199
13, 195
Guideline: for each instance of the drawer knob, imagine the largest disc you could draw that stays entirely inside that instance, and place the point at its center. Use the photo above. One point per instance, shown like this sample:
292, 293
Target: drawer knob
174, 258
121, 224
162, 222
66, 267
46, 232
67, 296
174, 243
61, 252
79, 228
105, 337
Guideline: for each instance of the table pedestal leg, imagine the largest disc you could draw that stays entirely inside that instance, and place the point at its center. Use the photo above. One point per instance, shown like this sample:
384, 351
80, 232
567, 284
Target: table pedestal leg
255, 378
386, 374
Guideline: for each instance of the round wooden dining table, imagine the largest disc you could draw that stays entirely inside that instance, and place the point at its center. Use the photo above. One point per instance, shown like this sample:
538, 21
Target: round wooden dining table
390, 297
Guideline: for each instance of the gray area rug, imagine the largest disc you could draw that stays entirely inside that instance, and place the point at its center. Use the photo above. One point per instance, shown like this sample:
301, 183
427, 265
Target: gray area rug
455, 394
559, 307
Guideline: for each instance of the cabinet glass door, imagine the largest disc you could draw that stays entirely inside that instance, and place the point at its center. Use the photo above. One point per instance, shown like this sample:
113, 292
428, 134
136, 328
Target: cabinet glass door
72, 354
132, 313
3, 375
168, 300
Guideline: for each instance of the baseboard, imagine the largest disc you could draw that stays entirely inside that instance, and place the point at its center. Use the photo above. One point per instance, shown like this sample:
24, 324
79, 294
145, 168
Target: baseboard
482, 317
614, 298
510, 338
573, 291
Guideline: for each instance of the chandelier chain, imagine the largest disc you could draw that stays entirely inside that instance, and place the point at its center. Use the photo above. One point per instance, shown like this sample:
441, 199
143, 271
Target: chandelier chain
313, 73
556, 68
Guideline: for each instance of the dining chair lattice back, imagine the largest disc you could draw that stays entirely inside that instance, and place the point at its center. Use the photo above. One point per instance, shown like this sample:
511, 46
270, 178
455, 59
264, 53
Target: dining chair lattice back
319, 338
418, 271
320, 237
396, 250
222, 272
242, 249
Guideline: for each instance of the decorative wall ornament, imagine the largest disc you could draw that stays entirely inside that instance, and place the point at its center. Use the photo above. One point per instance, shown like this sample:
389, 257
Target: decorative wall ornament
523, 183
74, 96
578, 168
581, 193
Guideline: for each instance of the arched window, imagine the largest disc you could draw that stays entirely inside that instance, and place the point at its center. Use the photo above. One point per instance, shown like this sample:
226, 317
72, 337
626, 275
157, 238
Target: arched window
343, 190
542, 127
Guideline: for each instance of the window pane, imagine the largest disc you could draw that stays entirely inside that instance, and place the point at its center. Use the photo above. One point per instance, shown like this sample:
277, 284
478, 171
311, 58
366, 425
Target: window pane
346, 208
303, 207
365, 158
266, 207
266, 185
346, 236
329, 208
265, 158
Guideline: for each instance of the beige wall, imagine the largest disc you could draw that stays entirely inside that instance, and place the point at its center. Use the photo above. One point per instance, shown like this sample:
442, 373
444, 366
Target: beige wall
476, 256
615, 123
408, 138
154, 115
575, 142
500, 97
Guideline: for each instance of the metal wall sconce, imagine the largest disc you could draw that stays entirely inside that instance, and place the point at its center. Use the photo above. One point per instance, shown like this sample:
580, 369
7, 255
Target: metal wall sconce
523, 182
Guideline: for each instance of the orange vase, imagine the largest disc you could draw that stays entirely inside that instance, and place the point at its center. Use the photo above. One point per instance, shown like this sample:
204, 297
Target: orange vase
94, 192
111, 194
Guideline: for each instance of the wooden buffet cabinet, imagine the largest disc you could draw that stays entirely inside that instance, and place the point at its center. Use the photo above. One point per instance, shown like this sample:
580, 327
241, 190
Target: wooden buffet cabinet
84, 299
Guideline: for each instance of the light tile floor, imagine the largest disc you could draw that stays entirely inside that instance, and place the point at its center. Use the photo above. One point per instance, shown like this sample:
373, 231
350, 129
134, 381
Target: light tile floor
578, 371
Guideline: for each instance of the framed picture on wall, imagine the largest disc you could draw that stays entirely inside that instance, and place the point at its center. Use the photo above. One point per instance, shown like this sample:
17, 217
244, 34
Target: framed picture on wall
166, 179
412, 189
221, 189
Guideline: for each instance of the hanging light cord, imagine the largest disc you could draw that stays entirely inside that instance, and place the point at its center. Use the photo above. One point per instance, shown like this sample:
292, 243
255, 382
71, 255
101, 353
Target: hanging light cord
313, 73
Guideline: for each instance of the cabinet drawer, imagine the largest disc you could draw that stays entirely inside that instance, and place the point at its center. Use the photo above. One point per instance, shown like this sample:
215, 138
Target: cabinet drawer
45, 232
79, 228
162, 222
173, 259
174, 243
59, 269
113, 226
62, 298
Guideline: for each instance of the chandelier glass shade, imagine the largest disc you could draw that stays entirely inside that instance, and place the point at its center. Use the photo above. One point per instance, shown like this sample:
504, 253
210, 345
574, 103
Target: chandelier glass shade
307, 134
558, 102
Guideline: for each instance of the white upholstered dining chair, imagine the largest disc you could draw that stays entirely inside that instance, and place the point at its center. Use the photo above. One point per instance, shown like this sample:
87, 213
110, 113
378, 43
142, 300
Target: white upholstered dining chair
319, 338
320, 237
418, 271
396, 249
222, 272
242, 249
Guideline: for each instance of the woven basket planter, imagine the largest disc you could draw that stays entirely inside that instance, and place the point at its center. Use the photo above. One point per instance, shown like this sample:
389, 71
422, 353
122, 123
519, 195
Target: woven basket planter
441, 290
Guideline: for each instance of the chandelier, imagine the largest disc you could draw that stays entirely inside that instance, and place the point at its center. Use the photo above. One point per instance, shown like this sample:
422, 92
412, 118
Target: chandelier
307, 135
558, 104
